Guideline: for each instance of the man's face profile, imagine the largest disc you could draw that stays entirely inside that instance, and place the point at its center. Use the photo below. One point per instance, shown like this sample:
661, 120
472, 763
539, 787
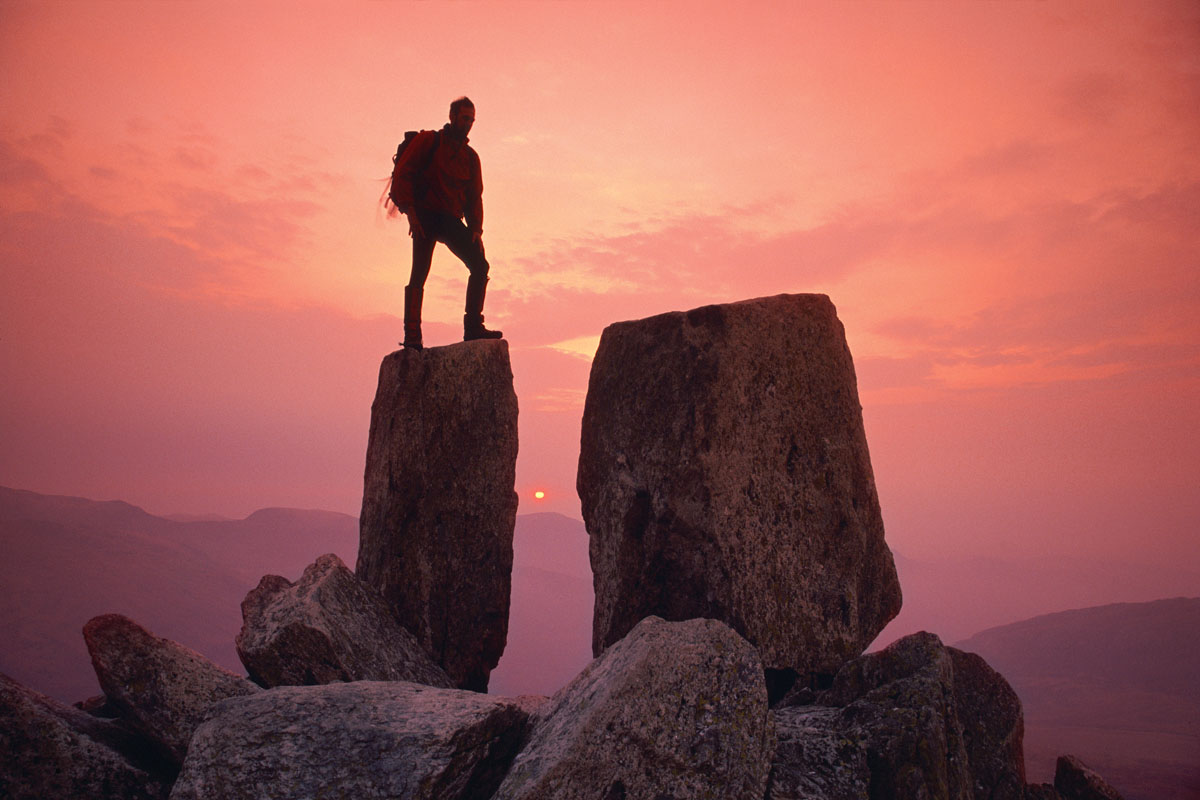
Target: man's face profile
462, 121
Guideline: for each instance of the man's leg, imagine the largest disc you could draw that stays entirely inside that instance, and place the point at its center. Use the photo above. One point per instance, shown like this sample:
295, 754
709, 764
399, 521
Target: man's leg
414, 293
456, 237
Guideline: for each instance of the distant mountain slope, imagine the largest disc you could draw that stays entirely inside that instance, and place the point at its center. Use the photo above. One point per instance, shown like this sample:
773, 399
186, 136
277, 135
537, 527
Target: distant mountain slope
956, 598
67, 559
1115, 684
1155, 644
550, 622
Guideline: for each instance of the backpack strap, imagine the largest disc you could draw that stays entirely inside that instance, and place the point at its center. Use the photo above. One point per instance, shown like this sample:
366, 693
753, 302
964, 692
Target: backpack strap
437, 142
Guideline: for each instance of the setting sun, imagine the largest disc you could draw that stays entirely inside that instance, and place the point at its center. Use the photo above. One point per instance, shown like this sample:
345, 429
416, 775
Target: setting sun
539, 494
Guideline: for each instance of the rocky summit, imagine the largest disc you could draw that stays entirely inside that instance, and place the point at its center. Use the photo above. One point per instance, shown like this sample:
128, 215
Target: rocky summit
438, 502
724, 473
328, 626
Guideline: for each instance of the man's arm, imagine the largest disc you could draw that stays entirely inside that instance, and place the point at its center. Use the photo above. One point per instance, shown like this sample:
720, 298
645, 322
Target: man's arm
474, 210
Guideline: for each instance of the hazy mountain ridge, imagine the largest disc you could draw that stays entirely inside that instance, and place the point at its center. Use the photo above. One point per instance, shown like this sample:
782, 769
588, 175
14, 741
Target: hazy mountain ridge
957, 598
1114, 683
1156, 643
68, 559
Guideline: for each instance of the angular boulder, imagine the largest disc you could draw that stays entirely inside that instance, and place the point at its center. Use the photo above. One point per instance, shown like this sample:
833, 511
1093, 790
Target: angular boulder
993, 727
328, 626
675, 709
52, 750
1074, 780
915, 720
363, 740
436, 528
724, 473
160, 688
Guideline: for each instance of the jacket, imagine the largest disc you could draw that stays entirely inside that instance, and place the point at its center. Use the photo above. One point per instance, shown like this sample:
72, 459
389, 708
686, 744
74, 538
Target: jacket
453, 183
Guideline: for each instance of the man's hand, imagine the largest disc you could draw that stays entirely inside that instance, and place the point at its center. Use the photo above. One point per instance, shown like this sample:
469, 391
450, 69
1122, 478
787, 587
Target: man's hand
477, 238
414, 225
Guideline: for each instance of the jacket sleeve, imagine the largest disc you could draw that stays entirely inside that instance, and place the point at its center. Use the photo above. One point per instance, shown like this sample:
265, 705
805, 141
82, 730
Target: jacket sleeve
474, 209
416, 154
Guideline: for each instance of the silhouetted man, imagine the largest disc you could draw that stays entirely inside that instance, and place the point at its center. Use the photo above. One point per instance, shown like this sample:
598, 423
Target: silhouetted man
436, 184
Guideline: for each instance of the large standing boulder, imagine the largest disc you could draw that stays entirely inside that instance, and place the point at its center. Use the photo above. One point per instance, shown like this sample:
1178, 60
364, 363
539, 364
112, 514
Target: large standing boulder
161, 688
439, 508
363, 740
915, 721
724, 473
675, 709
51, 750
328, 626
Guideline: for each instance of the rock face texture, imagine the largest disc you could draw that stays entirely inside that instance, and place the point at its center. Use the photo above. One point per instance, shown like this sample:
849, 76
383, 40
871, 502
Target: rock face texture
675, 709
328, 626
160, 688
916, 720
363, 740
438, 512
51, 750
1076, 781
724, 473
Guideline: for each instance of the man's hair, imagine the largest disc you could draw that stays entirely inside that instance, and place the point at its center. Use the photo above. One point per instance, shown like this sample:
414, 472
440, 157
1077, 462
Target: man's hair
459, 103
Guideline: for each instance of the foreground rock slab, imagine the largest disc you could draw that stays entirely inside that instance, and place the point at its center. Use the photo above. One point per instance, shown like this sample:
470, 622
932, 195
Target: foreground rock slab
363, 740
724, 473
439, 508
160, 688
328, 626
50, 750
916, 720
676, 709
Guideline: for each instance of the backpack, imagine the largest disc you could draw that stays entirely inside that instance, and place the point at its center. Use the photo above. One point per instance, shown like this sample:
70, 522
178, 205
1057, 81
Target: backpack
419, 174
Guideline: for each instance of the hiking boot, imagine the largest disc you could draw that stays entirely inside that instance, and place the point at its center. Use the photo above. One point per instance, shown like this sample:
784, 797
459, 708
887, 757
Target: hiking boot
412, 317
473, 318
473, 329
412, 337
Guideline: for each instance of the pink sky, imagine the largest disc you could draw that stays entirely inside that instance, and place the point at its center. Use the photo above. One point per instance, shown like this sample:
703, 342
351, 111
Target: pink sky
1001, 198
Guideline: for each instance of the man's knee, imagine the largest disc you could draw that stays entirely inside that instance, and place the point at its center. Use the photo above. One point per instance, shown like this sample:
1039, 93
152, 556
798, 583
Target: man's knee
478, 266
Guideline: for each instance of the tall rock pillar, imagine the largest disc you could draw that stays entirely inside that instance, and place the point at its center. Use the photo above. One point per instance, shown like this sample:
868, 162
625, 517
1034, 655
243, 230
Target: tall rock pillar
724, 473
436, 529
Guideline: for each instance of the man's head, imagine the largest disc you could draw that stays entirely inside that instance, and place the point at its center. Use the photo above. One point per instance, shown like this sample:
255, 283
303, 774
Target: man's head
462, 116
